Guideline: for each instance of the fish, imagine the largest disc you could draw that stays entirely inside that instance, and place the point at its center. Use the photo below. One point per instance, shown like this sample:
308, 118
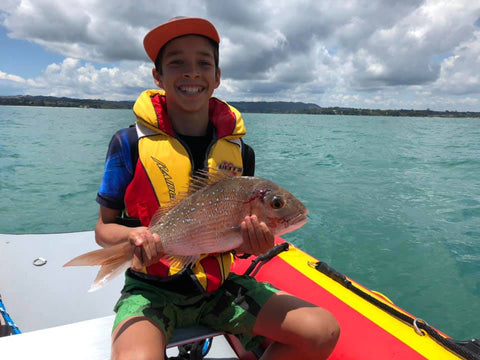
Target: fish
205, 219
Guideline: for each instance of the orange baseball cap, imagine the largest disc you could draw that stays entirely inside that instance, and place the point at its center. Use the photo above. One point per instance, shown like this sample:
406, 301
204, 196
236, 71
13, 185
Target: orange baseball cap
174, 28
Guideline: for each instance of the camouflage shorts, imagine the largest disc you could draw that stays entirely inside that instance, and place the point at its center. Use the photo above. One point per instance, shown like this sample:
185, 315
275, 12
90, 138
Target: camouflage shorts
233, 308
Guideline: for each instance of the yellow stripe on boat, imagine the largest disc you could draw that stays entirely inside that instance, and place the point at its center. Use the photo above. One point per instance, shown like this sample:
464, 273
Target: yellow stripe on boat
424, 345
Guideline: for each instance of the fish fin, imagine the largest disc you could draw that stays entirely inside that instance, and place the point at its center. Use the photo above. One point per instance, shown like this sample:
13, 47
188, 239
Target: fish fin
208, 177
107, 273
180, 262
113, 254
114, 261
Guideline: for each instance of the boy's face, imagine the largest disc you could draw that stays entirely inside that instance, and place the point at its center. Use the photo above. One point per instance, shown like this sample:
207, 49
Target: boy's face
189, 75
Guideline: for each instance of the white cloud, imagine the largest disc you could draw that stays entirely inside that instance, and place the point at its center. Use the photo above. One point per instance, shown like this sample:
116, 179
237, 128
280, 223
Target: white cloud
351, 53
10, 77
73, 78
460, 73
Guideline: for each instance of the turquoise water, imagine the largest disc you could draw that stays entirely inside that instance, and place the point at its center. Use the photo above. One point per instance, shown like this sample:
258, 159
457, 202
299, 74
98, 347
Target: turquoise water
394, 202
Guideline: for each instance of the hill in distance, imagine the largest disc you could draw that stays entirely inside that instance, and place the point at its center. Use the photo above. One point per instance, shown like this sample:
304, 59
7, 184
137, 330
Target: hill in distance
275, 107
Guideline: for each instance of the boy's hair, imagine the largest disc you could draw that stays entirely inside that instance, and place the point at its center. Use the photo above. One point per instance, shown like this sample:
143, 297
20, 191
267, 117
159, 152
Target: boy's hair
158, 60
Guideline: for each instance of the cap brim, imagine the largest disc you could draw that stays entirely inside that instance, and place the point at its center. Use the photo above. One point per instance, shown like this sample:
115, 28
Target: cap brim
162, 34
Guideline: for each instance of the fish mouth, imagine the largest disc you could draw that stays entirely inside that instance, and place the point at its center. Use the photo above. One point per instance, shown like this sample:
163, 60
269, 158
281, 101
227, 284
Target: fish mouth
298, 218
294, 223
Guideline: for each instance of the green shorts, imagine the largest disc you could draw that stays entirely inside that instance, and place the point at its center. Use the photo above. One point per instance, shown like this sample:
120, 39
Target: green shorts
233, 308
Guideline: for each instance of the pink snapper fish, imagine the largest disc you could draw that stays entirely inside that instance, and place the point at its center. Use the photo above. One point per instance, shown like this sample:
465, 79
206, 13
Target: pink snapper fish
205, 219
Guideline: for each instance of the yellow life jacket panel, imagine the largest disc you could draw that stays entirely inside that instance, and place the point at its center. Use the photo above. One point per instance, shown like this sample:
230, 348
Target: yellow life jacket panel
164, 168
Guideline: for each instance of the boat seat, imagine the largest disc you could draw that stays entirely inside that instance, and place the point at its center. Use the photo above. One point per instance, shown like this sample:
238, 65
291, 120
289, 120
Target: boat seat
182, 336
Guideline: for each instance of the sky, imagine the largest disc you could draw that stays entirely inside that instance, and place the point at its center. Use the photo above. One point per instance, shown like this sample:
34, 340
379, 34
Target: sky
376, 54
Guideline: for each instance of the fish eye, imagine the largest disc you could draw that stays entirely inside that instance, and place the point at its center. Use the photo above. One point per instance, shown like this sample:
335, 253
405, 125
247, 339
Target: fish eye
277, 202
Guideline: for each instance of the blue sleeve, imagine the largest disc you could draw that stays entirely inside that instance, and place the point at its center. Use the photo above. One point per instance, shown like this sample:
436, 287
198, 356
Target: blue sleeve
119, 169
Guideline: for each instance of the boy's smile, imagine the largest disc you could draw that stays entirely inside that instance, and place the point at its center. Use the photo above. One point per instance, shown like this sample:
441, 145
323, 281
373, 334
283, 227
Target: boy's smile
191, 89
189, 75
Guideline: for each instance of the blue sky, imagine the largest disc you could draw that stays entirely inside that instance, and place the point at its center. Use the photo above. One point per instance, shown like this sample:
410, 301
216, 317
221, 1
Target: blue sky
413, 54
23, 57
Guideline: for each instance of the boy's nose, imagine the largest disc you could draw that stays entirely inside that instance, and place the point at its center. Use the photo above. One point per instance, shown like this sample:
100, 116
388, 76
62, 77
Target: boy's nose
191, 71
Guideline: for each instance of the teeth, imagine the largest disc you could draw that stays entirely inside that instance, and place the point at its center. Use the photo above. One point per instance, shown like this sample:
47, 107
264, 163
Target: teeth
191, 89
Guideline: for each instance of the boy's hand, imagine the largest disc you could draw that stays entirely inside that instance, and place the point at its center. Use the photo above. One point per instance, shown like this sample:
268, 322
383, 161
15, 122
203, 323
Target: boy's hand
147, 249
257, 237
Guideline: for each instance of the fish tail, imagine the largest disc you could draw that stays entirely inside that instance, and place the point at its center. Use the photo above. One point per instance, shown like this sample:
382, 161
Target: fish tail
114, 260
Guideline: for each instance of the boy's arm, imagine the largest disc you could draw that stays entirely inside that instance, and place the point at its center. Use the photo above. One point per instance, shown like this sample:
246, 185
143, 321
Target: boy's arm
107, 231
147, 246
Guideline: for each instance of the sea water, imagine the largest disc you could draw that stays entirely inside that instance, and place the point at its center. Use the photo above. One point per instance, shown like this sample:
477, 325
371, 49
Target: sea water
394, 202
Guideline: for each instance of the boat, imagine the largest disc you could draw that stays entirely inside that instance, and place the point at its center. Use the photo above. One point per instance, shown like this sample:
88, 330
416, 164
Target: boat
57, 318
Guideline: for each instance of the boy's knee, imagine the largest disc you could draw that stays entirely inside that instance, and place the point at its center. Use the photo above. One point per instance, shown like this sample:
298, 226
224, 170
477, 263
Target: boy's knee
330, 338
324, 332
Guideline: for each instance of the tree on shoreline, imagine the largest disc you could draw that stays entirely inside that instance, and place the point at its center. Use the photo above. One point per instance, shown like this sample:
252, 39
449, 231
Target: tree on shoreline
267, 107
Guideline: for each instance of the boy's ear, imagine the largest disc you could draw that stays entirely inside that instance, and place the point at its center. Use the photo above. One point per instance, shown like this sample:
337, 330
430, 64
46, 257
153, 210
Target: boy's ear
157, 78
217, 78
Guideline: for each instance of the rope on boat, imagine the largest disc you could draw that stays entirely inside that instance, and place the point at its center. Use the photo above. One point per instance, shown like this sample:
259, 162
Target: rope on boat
469, 350
11, 328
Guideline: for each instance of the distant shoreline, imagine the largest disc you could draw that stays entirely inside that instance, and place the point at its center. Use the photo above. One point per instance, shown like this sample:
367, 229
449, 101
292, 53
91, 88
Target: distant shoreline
266, 107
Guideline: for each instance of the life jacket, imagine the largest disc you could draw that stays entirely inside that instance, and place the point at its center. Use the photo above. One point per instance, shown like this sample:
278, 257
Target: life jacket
164, 168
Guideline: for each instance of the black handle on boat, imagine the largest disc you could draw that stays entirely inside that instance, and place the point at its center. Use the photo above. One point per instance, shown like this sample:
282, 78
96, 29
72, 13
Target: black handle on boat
266, 257
332, 273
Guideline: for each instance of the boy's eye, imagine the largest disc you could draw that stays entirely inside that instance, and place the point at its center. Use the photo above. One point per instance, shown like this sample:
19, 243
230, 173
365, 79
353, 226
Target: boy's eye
175, 62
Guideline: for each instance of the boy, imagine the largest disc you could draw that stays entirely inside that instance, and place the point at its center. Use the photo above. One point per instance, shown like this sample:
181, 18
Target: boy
180, 130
